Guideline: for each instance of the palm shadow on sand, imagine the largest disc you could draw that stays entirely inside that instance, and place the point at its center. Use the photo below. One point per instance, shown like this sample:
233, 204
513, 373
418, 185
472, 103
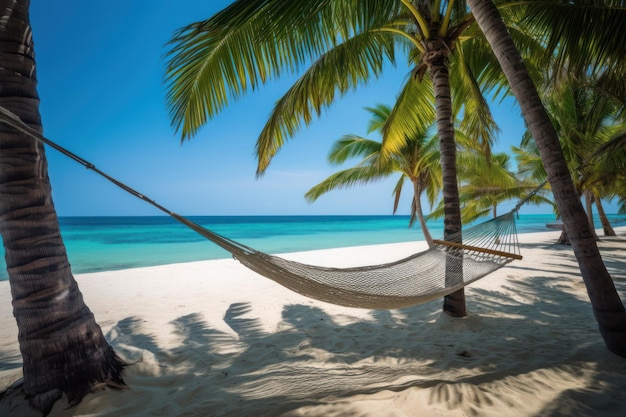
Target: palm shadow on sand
486, 357
514, 337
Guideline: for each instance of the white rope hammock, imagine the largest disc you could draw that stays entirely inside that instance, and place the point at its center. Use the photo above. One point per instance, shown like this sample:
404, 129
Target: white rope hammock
434, 273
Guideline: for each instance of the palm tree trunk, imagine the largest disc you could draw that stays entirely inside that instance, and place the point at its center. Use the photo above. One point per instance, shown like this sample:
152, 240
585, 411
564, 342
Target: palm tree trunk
437, 60
417, 192
63, 348
563, 239
589, 209
606, 224
607, 306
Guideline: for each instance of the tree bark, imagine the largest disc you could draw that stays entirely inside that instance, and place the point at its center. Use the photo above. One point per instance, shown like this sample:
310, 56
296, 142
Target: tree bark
589, 209
563, 239
607, 306
437, 60
606, 224
63, 348
417, 192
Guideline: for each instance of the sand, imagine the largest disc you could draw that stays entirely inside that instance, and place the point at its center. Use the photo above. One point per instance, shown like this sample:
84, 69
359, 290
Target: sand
214, 339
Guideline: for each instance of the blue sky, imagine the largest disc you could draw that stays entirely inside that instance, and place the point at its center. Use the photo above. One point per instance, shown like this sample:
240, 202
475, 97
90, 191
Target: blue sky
100, 69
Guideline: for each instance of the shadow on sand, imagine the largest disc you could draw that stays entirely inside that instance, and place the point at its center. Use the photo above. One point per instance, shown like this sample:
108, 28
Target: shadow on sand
513, 340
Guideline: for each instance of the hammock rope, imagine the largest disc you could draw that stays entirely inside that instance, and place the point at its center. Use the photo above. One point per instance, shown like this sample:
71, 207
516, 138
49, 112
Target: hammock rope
442, 269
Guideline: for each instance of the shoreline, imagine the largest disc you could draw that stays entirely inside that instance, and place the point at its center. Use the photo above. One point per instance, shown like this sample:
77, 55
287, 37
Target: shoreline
213, 338
116, 243
96, 244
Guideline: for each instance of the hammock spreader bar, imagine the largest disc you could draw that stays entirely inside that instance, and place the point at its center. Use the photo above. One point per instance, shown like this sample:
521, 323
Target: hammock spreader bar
477, 249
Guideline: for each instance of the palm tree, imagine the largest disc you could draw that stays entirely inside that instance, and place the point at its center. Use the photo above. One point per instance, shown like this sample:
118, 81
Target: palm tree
570, 32
63, 348
609, 172
607, 306
416, 161
584, 121
343, 44
610, 158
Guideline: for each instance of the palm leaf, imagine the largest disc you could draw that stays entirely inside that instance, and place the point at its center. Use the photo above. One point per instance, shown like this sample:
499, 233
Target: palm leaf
338, 71
614, 144
584, 34
413, 112
361, 174
251, 42
352, 146
474, 74
379, 115
397, 193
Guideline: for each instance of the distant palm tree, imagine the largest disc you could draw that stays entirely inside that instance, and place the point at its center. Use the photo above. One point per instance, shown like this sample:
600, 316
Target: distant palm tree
416, 161
63, 348
580, 117
607, 306
584, 120
610, 158
609, 179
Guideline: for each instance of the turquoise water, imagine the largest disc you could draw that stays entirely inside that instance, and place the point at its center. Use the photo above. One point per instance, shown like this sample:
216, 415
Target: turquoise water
111, 243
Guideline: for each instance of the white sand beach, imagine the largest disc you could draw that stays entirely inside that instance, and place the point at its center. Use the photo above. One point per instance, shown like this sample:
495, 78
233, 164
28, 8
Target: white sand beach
214, 339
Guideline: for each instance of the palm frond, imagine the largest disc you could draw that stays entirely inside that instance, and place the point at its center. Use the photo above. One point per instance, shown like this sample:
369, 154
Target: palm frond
613, 86
584, 34
336, 72
379, 115
251, 42
622, 206
361, 174
413, 112
614, 144
475, 74
484, 184
352, 146
397, 192
219, 59
529, 162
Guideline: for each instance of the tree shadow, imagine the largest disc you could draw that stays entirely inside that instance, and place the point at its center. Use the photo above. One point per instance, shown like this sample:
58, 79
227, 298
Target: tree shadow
515, 340
10, 360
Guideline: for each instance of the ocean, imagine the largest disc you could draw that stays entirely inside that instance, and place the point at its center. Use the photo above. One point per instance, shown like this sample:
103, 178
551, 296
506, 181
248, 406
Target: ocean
113, 243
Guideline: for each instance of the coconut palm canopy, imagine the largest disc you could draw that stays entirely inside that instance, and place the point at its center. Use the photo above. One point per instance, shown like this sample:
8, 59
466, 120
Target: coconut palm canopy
335, 46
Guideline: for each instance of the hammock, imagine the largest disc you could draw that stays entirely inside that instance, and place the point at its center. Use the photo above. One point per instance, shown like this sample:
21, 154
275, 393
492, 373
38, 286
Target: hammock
424, 276
434, 273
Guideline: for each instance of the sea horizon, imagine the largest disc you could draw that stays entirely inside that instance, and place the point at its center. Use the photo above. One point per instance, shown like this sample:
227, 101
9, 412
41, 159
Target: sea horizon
102, 243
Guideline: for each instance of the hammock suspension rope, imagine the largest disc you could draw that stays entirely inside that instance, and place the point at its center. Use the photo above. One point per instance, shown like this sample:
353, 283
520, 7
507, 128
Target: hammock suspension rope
424, 276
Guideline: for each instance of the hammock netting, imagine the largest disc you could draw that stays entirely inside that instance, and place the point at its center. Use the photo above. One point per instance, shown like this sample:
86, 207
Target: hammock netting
443, 269
416, 279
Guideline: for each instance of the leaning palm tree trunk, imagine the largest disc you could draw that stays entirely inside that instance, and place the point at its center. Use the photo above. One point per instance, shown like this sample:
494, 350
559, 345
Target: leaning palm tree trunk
63, 349
607, 306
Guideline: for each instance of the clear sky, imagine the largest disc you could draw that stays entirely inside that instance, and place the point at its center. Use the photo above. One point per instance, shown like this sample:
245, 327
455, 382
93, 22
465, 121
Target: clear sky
100, 68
